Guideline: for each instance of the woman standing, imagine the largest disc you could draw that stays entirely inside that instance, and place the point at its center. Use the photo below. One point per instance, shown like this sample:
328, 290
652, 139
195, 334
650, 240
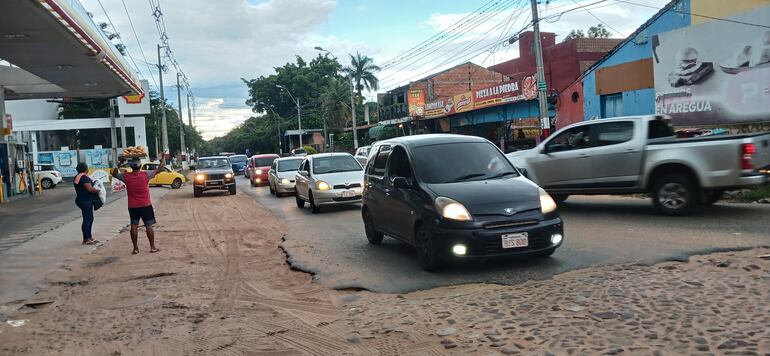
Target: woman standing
84, 190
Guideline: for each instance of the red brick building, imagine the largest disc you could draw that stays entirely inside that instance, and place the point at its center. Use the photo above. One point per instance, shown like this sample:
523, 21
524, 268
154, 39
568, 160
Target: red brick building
563, 64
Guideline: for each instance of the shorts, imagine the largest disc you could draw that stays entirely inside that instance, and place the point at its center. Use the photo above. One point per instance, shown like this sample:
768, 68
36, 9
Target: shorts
146, 214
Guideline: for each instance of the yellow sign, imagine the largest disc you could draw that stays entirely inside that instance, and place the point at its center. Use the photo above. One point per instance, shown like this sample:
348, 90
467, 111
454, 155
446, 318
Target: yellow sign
463, 102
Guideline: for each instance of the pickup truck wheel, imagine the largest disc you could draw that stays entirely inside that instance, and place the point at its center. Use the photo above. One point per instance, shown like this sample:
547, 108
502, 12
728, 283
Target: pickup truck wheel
426, 250
233, 189
46, 183
675, 194
176, 184
711, 196
197, 192
300, 202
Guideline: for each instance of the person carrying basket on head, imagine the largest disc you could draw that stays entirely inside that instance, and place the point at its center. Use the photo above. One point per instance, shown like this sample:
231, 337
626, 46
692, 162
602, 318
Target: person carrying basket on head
139, 200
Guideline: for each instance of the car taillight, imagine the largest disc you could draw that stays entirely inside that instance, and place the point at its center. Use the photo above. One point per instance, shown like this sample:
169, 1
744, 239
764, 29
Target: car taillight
747, 152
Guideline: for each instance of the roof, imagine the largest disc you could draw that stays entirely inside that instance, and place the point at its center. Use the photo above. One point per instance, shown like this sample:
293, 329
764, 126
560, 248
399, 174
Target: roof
57, 51
265, 155
431, 139
330, 154
290, 158
212, 157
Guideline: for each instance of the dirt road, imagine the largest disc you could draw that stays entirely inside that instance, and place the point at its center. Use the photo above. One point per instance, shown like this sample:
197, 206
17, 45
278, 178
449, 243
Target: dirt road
221, 286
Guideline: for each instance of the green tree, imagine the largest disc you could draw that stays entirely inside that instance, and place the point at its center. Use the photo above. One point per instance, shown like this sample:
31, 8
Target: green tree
575, 34
333, 101
598, 31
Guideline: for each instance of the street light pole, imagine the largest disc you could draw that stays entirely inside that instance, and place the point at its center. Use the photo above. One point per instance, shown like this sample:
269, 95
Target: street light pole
278, 125
299, 113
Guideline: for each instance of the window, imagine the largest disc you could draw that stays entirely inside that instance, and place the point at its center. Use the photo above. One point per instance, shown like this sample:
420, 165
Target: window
572, 139
613, 133
150, 167
288, 165
335, 164
305, 166
264, 162
660, 128
399, 164
612, 105
380, 161
460, 162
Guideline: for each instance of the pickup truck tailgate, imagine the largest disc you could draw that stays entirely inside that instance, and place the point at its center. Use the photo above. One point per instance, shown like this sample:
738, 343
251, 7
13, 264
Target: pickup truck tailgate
761, 158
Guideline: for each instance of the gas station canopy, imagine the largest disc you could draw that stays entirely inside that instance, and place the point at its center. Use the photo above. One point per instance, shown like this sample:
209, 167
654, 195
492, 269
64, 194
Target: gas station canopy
57, 51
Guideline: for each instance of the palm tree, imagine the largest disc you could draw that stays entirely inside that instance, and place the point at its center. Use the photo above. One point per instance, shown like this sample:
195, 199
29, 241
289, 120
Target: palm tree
337, 112
361, 70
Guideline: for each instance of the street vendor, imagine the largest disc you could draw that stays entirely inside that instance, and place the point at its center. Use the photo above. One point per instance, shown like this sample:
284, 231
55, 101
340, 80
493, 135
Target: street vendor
139, 201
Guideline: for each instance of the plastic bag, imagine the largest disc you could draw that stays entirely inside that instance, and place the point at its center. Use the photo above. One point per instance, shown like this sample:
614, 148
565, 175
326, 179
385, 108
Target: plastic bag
118, 185
102, 192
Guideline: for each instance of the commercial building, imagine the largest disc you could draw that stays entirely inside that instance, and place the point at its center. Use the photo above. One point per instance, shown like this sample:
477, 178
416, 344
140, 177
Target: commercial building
704, 62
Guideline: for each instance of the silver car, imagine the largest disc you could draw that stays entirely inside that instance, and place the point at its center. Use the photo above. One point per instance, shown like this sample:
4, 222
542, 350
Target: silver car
362, 154
328, 179
281, 176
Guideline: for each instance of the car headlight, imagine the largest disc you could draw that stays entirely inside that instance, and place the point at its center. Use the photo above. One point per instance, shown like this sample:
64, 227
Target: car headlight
258, 172
547, 204
451, 209
321, 185
228, 175
200, 177
285, 181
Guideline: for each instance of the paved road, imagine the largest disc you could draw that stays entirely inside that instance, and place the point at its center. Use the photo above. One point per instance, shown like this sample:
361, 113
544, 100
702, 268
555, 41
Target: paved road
599, 230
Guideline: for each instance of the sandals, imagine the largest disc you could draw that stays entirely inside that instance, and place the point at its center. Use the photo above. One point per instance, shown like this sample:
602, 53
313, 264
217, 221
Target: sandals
155, 250
135, 252
90, 242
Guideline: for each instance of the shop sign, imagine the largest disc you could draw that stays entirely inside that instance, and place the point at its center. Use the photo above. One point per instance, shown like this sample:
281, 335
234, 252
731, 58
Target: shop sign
416, 101
8, 128
463, 102
441, 107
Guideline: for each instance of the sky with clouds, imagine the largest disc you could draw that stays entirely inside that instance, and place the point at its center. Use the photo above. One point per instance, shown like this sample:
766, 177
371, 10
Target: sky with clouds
219, 42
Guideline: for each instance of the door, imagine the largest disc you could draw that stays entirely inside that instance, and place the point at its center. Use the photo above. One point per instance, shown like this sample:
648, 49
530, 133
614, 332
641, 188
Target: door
398, 202
272, 175
376, 189
565, 159
617, 154
149, 167
302, 183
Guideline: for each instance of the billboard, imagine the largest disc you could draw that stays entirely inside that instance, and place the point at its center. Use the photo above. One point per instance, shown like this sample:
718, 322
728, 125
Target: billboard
129, 105
416, 101
439, 108
715, 73
498, 94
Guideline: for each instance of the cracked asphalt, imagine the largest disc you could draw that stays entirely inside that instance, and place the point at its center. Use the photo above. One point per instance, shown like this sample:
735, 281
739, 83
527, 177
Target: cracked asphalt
600, 230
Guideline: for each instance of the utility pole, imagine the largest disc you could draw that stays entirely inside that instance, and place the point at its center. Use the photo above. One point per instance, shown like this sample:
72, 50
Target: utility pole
189, 113
545, 122
162, 103
113, 135
299, 123
353, 113
181, 122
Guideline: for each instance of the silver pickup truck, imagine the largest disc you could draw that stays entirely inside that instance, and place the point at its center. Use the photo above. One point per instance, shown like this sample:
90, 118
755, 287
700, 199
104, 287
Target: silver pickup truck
627, 155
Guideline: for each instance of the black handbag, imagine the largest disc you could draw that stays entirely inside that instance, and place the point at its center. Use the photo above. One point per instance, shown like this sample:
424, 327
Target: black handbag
96, 202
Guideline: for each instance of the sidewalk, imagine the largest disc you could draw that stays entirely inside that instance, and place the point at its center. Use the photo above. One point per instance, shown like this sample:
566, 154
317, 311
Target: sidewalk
24, 266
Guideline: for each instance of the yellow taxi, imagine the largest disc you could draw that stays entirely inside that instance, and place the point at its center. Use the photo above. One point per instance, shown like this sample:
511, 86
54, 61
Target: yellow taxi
165, 176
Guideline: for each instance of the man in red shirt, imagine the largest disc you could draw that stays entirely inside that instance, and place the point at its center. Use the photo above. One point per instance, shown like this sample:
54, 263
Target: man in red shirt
139, 201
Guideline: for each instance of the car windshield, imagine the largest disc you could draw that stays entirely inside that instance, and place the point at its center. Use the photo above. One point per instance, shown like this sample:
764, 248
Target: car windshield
335, 164
459, 162
238, 159
263, 162
289, 165
206, 163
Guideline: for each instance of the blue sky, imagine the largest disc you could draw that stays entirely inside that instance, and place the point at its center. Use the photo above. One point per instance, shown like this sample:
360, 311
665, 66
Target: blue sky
218, 42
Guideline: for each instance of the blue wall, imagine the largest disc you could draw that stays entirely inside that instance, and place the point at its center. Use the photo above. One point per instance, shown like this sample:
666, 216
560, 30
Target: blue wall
637, 102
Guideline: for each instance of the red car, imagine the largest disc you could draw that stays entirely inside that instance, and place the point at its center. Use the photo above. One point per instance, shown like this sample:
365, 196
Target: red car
258, 167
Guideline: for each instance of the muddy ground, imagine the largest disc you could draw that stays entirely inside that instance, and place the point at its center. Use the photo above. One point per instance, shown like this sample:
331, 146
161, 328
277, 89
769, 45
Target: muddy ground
221, 286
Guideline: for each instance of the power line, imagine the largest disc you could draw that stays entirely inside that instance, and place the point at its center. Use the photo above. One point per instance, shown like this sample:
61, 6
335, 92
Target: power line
697, 15
117, 34
133, 29
600, 20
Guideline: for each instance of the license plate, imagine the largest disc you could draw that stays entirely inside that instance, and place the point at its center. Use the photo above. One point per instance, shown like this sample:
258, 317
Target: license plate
215, 183
515, 240
348, 194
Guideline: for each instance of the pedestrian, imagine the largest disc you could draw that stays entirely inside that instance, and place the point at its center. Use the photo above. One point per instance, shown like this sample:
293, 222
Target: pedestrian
84, 199
139, 200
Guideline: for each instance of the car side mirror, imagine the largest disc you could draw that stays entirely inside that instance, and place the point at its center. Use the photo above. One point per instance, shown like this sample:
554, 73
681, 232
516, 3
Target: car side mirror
401, 182
304, 173
523, 172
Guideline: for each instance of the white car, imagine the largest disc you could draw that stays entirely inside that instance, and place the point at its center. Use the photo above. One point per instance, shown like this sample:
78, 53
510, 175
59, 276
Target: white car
329, 179
48, 175
362, 154
282, 175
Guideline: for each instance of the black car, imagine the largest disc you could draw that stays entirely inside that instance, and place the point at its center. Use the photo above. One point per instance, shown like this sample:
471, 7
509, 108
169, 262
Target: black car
455, 197
213, 173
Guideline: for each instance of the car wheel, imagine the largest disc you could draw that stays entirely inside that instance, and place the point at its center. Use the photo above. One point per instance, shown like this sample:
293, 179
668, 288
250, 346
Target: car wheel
374, 236
176, 184
272, 191
426, 249
300, 202
546, 253
674, 194
559, 198
314, 208
233, 189
197, 192
46, 183
711, 196
253, 183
